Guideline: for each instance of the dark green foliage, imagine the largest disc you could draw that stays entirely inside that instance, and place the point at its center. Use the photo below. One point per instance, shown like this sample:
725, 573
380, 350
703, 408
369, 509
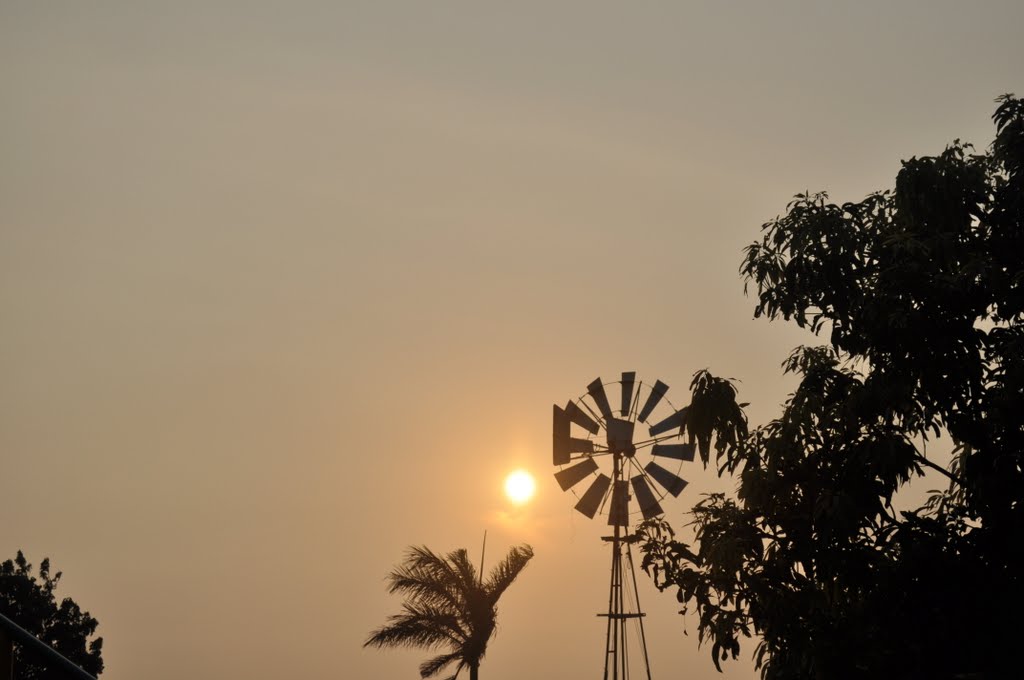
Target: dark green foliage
29, 601
448, 606
921, 292
714, 411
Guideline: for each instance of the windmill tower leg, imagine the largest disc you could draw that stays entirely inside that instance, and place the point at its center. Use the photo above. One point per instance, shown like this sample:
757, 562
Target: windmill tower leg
616, 657
636, 598
616, 652
612, 646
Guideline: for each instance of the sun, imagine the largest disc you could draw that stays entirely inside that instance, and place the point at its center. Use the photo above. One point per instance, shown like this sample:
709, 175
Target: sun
520, 487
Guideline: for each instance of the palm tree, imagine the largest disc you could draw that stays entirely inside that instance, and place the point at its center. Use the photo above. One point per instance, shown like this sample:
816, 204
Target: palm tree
448, 606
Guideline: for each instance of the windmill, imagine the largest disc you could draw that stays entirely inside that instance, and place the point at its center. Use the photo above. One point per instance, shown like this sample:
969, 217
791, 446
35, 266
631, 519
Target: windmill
593, 441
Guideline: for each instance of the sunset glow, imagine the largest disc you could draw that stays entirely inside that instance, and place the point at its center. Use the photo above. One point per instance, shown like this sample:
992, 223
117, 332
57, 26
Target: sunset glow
520, 487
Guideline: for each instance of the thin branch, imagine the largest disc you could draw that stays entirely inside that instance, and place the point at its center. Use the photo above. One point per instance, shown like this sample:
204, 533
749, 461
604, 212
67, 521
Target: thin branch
949, 475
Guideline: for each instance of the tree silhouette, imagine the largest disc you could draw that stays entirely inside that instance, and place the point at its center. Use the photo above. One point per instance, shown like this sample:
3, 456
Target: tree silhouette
448, 605
29, 601
921, 292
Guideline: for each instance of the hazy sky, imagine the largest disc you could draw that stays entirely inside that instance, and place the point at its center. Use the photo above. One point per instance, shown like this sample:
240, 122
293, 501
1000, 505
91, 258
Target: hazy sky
286, 287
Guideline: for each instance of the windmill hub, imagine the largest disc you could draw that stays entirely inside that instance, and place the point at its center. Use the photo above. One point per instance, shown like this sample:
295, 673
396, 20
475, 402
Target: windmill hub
620, 437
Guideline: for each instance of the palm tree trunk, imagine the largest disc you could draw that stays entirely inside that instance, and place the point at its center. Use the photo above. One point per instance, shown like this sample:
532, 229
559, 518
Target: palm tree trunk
473, 671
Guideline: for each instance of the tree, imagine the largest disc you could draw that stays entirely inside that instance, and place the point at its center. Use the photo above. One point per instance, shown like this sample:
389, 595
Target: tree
921, 293
448, 605
29, 601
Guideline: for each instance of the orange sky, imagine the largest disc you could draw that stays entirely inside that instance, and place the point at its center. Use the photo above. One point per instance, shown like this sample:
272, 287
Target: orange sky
287, 287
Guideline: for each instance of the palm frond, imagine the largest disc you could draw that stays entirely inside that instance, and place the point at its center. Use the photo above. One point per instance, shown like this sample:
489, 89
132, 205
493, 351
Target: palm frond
421, 561
460, 562
419, 626
424, 586
506, 571
438, 663
426, 576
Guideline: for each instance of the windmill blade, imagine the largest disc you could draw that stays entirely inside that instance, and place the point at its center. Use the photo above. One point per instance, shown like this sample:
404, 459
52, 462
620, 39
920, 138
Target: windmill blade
591, 500
627, 392
649, 505
570, 477
596, 390
580, 417
564, 445
677, 451
677, 419
560, 436
618, 513
672, 482
657, 392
